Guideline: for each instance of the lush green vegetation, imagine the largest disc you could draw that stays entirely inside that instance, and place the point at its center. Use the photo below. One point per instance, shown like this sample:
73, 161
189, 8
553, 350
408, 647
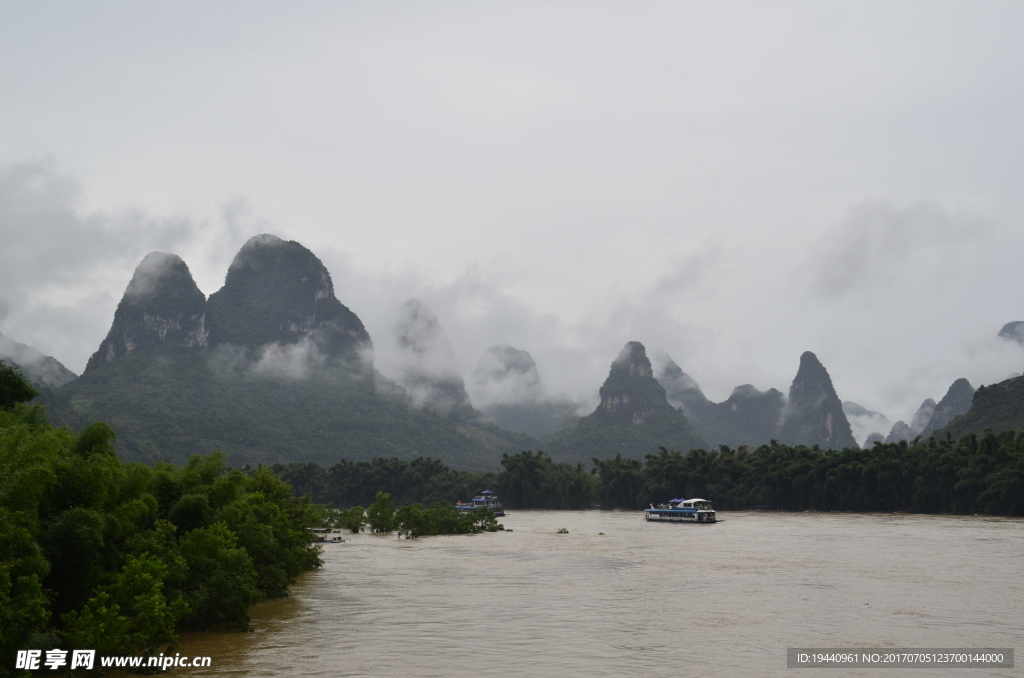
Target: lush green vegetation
414, 520
528, 481
973, 474
999, 407
14, 387
598, 435
100, 554
169, 403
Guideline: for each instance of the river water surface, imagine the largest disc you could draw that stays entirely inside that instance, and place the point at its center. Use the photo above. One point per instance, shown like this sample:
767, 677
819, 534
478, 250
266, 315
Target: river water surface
641, 599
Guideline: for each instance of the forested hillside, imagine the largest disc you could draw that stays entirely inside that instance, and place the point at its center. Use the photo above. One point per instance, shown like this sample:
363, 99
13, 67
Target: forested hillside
171, 403
999, 407
272, 368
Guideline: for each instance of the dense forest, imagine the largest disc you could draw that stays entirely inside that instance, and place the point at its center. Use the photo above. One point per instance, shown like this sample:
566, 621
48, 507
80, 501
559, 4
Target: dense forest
96, 553
970, 475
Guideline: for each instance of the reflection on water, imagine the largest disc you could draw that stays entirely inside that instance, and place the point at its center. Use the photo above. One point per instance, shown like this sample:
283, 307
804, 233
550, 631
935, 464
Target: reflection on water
643, 599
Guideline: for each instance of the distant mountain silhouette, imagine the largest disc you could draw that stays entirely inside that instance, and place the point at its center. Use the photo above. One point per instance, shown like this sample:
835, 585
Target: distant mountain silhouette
1013, 331
747, 417
865, 423
999, 407
814, 413
507, 389
162, 306
280, 292
428, 369
957, 401
899, 431
633, 419
42, 371
272, 368
902, 431
872, 439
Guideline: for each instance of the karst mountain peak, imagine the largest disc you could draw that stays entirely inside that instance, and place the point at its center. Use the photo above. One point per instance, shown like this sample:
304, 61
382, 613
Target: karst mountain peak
162, 306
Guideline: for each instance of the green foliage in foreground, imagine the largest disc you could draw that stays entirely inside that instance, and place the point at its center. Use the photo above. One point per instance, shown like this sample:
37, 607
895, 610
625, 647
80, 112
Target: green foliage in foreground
969, 475
96, 553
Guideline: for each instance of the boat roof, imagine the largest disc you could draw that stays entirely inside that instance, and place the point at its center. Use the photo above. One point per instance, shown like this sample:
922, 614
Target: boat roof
486, 492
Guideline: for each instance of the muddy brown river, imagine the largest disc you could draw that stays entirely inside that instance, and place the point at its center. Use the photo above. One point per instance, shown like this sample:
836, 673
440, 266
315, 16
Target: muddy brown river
641, 599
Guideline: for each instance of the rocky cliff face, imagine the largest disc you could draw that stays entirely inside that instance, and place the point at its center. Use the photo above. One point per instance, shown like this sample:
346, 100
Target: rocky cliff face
162, 306
814, 413
957, 401
747, 417
278, 292
41, 370
631, 393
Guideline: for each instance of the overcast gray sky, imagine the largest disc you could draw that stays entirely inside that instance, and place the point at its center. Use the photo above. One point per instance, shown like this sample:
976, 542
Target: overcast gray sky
732, 182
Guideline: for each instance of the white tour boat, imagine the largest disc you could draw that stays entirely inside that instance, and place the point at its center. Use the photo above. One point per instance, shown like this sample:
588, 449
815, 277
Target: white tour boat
485, 499
682, 511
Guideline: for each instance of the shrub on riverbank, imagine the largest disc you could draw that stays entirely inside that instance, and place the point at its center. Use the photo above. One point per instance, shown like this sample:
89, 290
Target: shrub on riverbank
100, 554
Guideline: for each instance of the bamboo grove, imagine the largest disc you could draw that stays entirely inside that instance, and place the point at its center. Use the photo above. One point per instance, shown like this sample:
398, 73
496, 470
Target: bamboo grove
975, 474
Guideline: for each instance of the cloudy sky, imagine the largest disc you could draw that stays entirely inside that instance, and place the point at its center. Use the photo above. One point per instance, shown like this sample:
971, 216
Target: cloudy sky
734, 183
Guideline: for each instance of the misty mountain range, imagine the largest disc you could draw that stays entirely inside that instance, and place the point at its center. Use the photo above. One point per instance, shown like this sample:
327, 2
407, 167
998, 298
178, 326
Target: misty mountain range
42, 371
274, 368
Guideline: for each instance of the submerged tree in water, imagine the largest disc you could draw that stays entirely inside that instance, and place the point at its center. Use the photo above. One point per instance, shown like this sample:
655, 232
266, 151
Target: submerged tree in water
442, 518
381, 514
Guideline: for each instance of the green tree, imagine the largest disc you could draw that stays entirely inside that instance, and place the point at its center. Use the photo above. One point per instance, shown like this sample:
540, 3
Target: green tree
129, 616
620, 482
23, 603
381, 514
14, 388
221, 583
353, 519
